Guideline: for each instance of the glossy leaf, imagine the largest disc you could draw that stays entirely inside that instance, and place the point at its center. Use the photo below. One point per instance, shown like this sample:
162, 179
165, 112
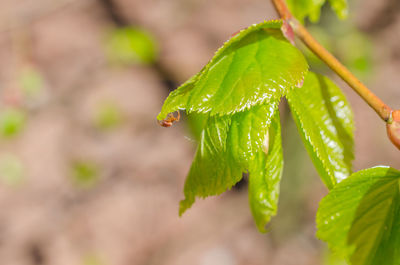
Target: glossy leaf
256, 66
325, 122
227, 145
265, 175
360, 217
302, 9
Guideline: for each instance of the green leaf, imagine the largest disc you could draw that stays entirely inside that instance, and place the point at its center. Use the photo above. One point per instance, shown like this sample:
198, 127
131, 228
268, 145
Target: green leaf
325, 122
265, 175
340, 7
256, 66
227, 145
302, 9
196, 123
306, 8
360, 217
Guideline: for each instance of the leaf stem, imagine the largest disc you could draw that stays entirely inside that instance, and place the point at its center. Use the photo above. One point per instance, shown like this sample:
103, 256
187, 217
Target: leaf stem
370, 98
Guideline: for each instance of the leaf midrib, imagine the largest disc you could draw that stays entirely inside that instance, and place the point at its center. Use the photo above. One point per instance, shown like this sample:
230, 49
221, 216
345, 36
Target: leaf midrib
375, 245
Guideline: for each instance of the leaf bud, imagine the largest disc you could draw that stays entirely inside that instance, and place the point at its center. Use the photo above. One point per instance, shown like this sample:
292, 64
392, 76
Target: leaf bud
393, 128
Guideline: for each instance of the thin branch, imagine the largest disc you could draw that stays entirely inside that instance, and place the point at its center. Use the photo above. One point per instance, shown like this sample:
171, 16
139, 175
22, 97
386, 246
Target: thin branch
383, 110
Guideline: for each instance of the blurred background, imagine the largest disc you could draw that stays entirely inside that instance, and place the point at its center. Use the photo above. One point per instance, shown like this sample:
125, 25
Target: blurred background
88, 177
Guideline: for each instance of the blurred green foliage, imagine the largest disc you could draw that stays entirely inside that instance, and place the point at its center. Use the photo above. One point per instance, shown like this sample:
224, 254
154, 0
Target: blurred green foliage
352, 47
92, 259
108, 116
12, 171
131, 45
12, 121
331, 258
311, 9
306, 8
31, 82
85, 173
355, 49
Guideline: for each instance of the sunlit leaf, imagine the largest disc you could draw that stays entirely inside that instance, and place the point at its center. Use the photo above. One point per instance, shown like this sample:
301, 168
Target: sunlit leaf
325, 122
227, 145
332, 258
256, 66
265, 175
360, 217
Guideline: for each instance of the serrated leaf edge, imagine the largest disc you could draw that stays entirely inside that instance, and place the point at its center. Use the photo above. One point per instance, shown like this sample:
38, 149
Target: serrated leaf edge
238, 36
347, 254
315, 149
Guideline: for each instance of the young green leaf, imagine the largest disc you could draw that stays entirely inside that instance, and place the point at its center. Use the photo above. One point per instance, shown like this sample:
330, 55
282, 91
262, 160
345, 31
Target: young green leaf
325, 122
227, 145
302, 9
256, 66
340, 7
360, 217
265, 175
306, 8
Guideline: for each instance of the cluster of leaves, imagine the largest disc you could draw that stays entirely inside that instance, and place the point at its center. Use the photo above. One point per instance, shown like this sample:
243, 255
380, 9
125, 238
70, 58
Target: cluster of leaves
236, 95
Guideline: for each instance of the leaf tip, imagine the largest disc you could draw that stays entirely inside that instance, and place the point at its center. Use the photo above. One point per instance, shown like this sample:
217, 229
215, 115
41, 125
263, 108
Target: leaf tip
169, 120
184, 205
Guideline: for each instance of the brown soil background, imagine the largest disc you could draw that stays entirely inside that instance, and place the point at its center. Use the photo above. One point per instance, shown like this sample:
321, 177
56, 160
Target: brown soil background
130, 217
